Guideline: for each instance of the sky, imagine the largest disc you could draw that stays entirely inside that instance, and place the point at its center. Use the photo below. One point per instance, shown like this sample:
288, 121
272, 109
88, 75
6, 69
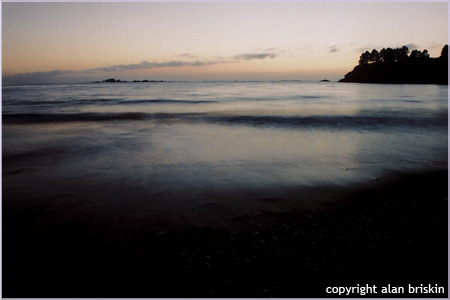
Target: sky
81, 41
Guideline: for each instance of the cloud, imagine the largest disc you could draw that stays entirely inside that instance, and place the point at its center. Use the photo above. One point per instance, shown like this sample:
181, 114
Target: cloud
152, 65
179, 63
188, 55
272, 49
64, 76
60, 76
140, 66
412, 46
333, 48
55, 76
250, 56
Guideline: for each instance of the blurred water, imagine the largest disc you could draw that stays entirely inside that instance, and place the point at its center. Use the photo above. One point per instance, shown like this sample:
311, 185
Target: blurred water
202, 151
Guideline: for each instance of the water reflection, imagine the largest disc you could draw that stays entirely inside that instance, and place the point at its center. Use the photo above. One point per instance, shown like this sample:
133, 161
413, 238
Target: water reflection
208, 152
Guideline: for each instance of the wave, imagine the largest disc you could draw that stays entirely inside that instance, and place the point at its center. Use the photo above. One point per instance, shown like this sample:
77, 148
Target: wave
319, 121
311, 97
396, 100
17, 103
168, 101
333, 121
107, 102
77, 117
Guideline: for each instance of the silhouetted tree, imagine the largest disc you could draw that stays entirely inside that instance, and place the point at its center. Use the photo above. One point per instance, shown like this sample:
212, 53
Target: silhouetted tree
387, 55
425, 54
369, 57
401, 54
364, 58
374, 56
415, 55
399, 65
444, 52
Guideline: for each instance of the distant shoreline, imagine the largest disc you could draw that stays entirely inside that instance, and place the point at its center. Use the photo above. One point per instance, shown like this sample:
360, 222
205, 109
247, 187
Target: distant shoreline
113, 80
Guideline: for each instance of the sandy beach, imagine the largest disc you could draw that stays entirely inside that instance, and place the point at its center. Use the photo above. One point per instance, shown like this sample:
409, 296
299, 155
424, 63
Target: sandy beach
392, 231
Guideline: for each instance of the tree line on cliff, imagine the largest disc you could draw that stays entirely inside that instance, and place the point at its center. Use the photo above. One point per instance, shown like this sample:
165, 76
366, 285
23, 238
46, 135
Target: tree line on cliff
399, 65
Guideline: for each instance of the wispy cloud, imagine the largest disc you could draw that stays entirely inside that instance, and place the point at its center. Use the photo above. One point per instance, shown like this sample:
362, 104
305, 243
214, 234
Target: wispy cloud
333, 48
250, 56
152, 65
188, 55
273, 49
54, 76
436, 46
66, 76
412, 46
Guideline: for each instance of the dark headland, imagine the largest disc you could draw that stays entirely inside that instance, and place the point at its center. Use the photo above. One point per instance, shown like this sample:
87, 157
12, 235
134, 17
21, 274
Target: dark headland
400, 66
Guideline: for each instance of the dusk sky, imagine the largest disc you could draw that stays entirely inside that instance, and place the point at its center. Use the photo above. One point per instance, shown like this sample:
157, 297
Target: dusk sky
77, 42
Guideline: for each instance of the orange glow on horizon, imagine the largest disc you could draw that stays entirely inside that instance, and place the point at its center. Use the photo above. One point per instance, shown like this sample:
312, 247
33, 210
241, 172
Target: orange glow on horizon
202, 40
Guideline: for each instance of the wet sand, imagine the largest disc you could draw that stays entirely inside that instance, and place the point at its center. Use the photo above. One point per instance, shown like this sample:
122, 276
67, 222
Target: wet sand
390, 231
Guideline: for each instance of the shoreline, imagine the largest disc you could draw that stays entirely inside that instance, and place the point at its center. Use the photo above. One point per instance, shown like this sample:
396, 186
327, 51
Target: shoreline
394, 231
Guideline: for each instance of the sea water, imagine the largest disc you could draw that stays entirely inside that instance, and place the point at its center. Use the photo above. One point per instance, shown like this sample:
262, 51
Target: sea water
202, 152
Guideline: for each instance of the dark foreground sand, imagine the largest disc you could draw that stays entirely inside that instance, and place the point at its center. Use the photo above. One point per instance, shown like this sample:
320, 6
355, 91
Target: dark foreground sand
388, 232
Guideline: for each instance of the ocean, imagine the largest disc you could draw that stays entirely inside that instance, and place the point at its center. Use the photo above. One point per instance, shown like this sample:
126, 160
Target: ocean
206, 153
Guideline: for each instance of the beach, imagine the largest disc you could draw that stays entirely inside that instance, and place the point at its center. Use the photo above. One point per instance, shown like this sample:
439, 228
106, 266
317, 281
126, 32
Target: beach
389, 231
224, 189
